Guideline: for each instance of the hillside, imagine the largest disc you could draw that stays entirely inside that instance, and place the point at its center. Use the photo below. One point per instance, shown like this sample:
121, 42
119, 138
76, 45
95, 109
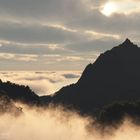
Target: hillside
114, 76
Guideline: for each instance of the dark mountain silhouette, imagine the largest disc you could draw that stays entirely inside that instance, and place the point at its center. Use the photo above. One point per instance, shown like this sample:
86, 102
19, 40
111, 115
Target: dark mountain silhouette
18, 93
114, 76
114, 114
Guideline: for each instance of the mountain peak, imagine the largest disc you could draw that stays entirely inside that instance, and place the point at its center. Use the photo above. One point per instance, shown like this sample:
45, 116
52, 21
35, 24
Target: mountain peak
128, 43
127, 40
114, 76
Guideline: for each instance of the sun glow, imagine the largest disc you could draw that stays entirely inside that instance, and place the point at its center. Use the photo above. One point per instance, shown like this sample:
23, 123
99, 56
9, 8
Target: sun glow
109, 8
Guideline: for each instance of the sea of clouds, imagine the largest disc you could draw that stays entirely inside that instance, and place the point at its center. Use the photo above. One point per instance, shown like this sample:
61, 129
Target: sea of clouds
41, 82
59, 124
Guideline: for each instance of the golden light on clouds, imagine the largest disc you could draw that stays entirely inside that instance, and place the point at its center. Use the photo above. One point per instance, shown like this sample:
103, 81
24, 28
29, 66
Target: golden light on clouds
109, 8
98, 35
120, 7
59, 26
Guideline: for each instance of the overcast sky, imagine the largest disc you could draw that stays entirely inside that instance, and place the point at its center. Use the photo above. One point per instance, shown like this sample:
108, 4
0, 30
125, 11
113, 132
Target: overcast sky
63, 34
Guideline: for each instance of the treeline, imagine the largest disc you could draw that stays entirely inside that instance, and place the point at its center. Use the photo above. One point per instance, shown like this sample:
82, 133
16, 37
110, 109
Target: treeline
18, 92
115, 113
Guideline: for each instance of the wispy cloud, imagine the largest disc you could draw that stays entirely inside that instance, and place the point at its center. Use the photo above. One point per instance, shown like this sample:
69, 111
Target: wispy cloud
18, 57
102, 35
62, 27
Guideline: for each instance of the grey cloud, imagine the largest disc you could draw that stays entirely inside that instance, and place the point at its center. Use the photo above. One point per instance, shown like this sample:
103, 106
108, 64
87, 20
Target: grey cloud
37, 34
53, 10
98, 2
32, 49
22, 21
93, 45
46, 62
86, 20
71, 76
117, 23
74, 13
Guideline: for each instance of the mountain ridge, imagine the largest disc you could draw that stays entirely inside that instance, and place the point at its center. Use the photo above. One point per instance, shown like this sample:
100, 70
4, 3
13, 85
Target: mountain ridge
114, 76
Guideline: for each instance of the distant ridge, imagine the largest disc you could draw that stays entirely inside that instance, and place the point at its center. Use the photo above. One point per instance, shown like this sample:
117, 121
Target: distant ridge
17, 92
114, 76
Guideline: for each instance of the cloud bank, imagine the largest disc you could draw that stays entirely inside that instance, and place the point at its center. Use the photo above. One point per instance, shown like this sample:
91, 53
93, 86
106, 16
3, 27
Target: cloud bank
57, 124
42, 82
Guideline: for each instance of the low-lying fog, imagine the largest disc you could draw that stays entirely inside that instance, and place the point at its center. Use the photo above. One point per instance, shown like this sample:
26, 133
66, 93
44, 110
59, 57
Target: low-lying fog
41, 82
55, 124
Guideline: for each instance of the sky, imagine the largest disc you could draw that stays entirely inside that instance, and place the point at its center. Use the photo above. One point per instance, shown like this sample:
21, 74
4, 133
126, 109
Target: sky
63, 34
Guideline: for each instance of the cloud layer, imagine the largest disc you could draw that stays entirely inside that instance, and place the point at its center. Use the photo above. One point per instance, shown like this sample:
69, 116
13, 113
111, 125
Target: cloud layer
58, 124
42, 82
63, 28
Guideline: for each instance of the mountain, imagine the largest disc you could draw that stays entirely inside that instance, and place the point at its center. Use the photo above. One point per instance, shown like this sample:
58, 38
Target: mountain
115, 113
114, 76
17, 92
